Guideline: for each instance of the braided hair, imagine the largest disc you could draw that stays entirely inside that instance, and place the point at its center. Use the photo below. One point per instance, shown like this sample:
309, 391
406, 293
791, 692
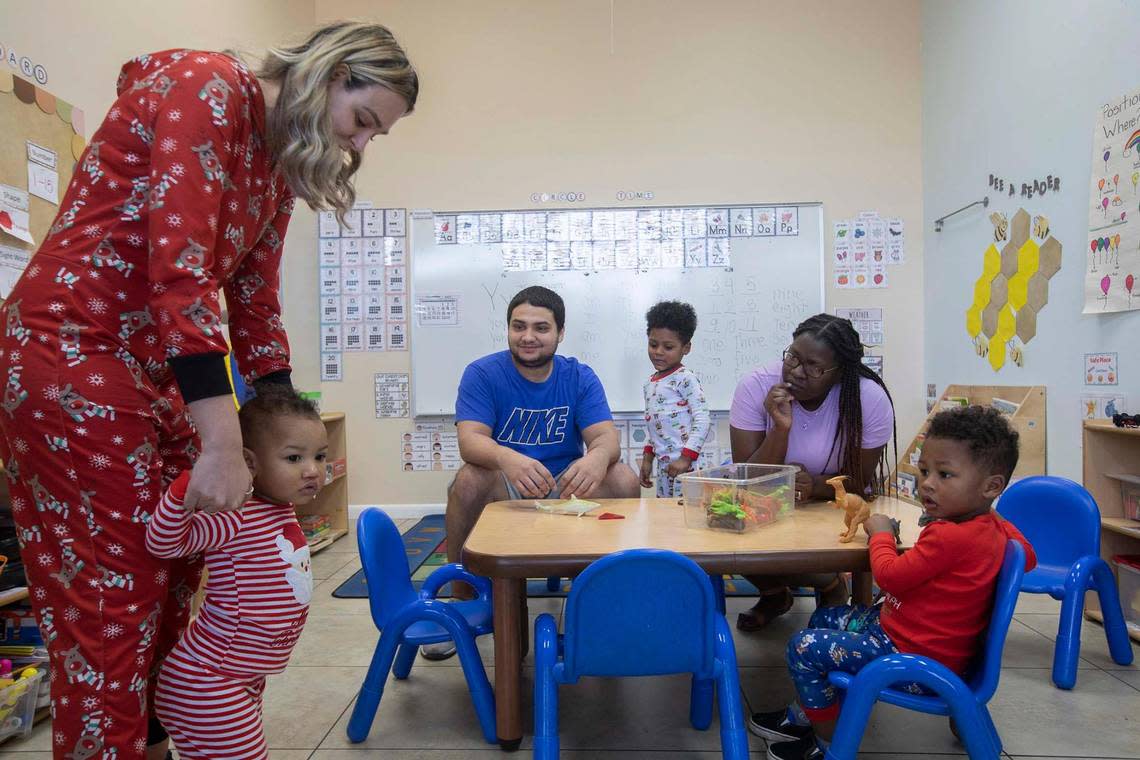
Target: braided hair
840, 336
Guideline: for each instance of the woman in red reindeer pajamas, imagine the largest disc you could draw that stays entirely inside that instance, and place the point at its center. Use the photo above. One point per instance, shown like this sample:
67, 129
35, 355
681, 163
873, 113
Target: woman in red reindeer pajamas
112, 356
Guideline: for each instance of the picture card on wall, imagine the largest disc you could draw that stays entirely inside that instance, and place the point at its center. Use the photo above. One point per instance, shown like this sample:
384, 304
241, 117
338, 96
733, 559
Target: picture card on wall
352, 224
373, 220
1100, 369
374, 336
328, 225
1102, 406
331, 367
354, 337
395, 222
375, 308
445, 230
330, 252
397, 336
353, 308
787, 221
331, 338
330, 309
396, 308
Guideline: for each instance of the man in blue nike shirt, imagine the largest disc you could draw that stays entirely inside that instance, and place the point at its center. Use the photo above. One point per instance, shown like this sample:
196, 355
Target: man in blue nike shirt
523, 417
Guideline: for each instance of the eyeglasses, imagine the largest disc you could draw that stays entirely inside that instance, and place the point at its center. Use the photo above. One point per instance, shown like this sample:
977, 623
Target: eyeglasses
791, 361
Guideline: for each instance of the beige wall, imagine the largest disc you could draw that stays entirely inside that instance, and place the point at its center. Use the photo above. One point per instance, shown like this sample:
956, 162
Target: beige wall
700, 102
82, 45
720, 101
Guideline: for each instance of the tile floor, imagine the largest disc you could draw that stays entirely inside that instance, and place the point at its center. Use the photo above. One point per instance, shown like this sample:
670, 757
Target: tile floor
307, 707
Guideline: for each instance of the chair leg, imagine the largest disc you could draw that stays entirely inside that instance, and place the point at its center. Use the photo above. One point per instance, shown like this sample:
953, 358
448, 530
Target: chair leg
733, 734
1115, 629
405, 656
995, 737
975, 729
701, 703
545, 689
368, 700
481, 694
718, 588
1066, 650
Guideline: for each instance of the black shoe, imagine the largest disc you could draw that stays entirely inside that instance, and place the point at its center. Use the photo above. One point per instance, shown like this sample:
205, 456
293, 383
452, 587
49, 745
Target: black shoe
800, 749
775, 727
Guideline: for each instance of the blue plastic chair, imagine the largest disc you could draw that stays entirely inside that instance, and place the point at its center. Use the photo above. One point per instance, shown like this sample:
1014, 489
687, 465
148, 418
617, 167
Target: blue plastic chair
617, 625
407, 620
964, 701
1062, 522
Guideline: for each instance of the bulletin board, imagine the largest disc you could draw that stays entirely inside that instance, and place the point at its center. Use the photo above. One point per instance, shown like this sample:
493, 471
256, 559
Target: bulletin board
31, 114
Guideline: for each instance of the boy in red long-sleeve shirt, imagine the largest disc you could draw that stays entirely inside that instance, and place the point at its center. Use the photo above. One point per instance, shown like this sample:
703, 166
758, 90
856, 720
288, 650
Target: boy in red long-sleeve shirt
936, 599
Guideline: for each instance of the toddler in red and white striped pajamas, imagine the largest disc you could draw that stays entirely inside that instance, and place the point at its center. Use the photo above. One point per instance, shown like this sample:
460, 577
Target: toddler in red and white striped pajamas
257, 594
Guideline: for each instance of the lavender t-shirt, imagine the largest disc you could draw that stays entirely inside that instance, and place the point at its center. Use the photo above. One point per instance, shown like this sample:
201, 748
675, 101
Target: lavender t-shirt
812, 434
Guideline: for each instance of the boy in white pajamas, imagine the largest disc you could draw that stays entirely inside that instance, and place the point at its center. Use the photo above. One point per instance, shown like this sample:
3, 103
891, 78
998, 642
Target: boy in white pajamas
675, 408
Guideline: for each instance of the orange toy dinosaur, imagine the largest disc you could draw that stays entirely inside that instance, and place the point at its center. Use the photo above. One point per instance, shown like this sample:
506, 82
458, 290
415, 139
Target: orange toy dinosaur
857, 510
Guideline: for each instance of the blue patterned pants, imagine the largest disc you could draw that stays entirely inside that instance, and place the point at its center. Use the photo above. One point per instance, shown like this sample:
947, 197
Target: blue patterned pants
844, 638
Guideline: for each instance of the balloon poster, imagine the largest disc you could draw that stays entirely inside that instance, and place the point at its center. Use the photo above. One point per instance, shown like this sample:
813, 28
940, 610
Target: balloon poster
1113, 253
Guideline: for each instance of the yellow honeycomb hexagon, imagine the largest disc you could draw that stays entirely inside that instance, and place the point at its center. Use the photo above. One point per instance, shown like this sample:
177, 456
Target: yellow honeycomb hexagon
991, 263
1028, 258
1018, 290
996, 355
1006, 324
973, 321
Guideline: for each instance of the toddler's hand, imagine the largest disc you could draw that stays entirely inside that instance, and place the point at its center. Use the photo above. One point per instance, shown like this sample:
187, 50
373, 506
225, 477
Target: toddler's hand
647, 471
679, 466
878, 524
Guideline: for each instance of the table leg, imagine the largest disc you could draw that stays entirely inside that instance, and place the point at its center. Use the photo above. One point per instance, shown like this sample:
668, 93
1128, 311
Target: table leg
508, 594
861, 587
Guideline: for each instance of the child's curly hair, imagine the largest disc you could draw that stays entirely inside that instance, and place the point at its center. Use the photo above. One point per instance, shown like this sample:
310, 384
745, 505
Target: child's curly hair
992, 441
679, 317
273, 401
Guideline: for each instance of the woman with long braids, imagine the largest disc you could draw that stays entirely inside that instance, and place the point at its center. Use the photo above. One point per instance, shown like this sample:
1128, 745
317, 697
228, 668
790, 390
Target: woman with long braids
822, 409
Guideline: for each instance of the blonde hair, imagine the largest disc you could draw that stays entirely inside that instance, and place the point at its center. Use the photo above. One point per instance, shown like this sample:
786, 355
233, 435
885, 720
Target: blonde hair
299, 131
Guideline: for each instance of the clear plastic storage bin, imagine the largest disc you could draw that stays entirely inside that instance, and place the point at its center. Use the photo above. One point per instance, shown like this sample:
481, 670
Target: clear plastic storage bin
738, 497
18, 706
1128, 581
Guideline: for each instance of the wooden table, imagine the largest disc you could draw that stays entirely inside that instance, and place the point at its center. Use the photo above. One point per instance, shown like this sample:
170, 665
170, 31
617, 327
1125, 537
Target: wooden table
512, 541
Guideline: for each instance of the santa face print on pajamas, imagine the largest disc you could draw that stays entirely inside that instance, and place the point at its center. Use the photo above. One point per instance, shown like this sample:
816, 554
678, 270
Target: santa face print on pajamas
174, 198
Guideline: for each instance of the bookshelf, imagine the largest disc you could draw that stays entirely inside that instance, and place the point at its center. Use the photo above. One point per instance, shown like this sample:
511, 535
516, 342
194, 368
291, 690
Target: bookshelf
1110, 451
1028, 418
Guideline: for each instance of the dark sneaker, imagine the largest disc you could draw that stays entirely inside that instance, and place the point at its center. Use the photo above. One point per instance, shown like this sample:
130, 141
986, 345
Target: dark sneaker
440, 651
776, 727
800, 749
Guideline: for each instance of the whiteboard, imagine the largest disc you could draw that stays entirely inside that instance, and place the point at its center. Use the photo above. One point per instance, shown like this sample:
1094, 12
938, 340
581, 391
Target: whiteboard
746, 311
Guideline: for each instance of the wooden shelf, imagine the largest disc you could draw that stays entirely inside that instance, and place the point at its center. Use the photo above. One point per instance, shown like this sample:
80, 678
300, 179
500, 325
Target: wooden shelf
1121, 525
1106, 426
1108, 452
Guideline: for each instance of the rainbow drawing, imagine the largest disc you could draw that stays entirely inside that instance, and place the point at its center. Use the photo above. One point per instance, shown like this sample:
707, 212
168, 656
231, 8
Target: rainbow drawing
1132, 141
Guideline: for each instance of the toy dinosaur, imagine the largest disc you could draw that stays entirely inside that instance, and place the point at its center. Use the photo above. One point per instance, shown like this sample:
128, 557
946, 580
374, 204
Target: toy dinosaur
857, 510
